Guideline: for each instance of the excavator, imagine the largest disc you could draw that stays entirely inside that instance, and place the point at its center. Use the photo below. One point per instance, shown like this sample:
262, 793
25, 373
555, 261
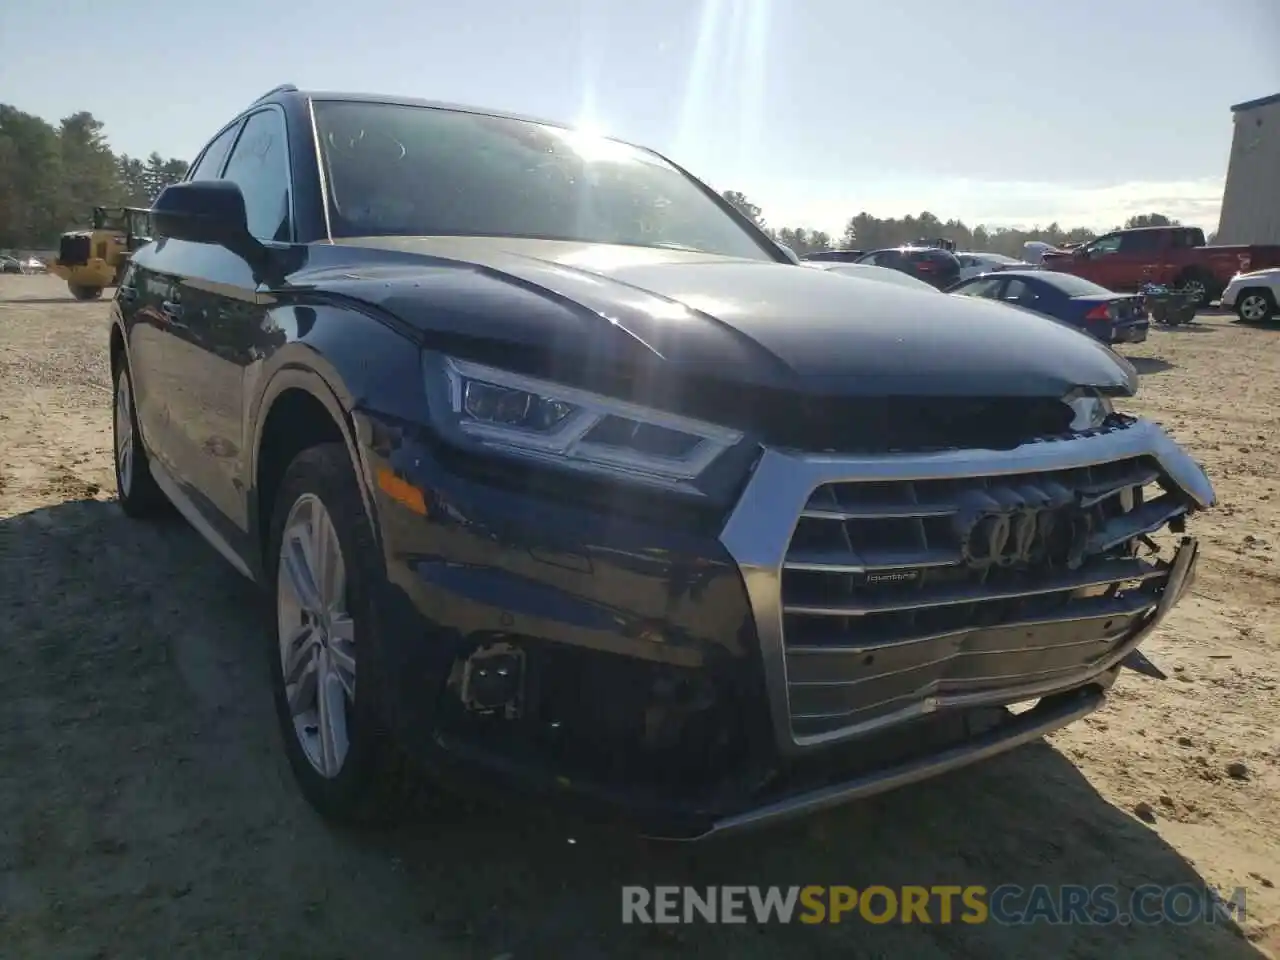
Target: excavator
92, 260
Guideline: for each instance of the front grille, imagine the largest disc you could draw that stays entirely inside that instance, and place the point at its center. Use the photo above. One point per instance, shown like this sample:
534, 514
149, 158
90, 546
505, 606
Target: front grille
898, 594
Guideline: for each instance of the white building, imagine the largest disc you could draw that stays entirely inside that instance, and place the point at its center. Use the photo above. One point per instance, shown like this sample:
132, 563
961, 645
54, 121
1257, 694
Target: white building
1251, 200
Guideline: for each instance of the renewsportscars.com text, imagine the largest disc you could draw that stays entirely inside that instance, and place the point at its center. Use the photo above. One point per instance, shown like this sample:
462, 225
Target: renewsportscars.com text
1007, 904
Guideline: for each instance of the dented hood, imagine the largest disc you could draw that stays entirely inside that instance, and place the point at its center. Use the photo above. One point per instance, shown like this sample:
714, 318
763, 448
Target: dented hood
753, 321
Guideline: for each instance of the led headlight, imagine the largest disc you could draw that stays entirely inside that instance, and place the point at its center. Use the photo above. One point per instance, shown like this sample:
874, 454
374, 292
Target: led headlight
551, 423
1090, 411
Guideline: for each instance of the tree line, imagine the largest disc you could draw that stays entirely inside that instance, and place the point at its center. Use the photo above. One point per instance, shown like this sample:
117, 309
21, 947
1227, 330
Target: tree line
865, 232
51, 177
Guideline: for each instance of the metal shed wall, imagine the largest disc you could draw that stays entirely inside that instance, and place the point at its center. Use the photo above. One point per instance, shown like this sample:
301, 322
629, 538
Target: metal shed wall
1251, 199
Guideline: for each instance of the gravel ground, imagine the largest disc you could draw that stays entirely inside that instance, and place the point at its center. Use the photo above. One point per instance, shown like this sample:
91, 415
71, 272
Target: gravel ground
146, 810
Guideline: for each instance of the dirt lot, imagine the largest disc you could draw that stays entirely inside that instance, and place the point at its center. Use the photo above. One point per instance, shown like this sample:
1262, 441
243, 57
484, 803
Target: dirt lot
146, 810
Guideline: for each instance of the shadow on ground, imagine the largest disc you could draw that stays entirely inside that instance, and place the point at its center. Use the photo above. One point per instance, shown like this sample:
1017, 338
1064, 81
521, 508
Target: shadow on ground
1148, 365
63, 300
1195, 326
145, 809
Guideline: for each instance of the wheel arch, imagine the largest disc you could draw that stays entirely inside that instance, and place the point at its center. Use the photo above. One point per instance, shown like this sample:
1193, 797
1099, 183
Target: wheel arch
299, 409
118, 352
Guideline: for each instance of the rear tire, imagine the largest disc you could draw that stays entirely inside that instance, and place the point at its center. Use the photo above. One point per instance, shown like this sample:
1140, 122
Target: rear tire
1199, 282
1255, 306
325, 571
84, 293
136, 488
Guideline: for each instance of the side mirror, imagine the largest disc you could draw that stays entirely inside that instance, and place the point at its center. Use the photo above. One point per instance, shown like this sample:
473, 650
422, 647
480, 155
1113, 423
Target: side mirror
202, 211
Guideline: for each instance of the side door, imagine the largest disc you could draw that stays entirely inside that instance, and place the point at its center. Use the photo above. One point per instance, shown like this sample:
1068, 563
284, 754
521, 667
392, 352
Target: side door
225, 325
1037, 297
1095, 259
149, 301
1136, 261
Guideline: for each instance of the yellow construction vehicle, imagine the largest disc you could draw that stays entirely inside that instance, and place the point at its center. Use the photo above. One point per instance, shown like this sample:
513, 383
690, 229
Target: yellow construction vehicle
91, 260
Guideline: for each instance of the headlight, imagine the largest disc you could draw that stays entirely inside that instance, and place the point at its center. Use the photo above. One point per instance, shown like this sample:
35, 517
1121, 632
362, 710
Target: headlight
551, 423
1090, 412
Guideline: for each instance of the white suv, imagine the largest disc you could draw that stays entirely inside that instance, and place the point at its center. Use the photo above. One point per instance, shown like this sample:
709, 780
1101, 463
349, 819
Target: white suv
1253, 296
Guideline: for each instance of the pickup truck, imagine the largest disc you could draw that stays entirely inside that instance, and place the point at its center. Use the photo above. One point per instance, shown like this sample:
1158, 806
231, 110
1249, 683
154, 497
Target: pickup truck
1124, 260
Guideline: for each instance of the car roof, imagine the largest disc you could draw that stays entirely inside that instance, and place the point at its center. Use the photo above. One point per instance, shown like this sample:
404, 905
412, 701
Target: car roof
879, 274
1026, 274
288, 92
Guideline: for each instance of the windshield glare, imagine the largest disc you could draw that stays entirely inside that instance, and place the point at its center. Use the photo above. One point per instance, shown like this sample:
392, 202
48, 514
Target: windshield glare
402, 170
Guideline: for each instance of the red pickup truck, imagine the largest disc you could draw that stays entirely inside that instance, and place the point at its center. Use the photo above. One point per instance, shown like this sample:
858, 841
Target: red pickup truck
1174, 256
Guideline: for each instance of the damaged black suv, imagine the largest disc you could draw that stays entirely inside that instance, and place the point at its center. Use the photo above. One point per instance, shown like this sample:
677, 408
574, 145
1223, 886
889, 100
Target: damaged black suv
563, 477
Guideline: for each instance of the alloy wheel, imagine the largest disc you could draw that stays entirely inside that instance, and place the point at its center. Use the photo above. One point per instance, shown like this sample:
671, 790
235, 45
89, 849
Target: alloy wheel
316, 634
1254, 308
1196, 291
124, 434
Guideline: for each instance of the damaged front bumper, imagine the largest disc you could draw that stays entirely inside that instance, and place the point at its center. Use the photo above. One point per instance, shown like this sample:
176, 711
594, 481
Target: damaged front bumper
667, 679
1051, 713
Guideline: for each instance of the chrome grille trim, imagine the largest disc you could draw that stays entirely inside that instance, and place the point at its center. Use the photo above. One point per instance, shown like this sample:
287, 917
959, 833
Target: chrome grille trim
781, 490
1097, 575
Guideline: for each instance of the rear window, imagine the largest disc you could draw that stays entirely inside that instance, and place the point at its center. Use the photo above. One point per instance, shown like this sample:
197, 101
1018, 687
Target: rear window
940, 257
1073, 286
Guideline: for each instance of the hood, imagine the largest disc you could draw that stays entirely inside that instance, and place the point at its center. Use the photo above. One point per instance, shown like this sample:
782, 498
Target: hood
743, 320
1269, 273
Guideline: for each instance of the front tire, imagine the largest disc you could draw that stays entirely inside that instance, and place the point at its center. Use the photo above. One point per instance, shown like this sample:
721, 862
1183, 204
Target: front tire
135, 486
1255, 306
84, 293
325, 570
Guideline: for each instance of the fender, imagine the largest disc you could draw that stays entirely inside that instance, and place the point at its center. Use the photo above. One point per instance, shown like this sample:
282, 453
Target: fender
307, 379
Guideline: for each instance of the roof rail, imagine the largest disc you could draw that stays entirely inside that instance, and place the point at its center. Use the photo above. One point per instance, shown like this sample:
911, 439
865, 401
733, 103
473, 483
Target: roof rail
283, 88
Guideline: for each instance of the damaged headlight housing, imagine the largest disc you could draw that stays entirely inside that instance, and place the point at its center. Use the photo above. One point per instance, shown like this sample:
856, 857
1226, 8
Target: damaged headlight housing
1089, 411
563, 426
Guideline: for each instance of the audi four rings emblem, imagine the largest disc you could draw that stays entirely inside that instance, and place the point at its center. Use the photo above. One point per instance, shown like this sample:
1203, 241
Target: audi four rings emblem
1008, 528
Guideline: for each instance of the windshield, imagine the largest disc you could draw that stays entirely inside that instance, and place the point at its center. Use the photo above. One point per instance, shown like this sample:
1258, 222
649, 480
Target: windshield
402, 170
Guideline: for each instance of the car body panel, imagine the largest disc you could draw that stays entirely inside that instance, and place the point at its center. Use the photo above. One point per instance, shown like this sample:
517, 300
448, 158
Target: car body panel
1268, 280
699, 312
1050, 296
651, 597
865, 271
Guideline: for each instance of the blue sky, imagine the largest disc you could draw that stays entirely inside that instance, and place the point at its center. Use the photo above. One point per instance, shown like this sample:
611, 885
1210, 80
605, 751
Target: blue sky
996, 111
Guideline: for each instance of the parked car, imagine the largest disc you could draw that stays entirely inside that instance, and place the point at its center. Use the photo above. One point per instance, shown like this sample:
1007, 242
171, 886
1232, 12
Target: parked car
562, 479
935, 266
1254, 295
972, 264
11, 265
1033, 251
834, 256
1104, 314
1172, 256
864, 271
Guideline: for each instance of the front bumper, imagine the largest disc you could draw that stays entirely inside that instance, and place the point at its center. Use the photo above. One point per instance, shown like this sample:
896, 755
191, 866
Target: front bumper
619, 615
1229, 295
1053, 711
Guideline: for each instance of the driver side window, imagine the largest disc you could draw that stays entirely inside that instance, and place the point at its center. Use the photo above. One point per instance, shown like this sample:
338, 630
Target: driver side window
210, 163
1104, 246
985, 287
259, 165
